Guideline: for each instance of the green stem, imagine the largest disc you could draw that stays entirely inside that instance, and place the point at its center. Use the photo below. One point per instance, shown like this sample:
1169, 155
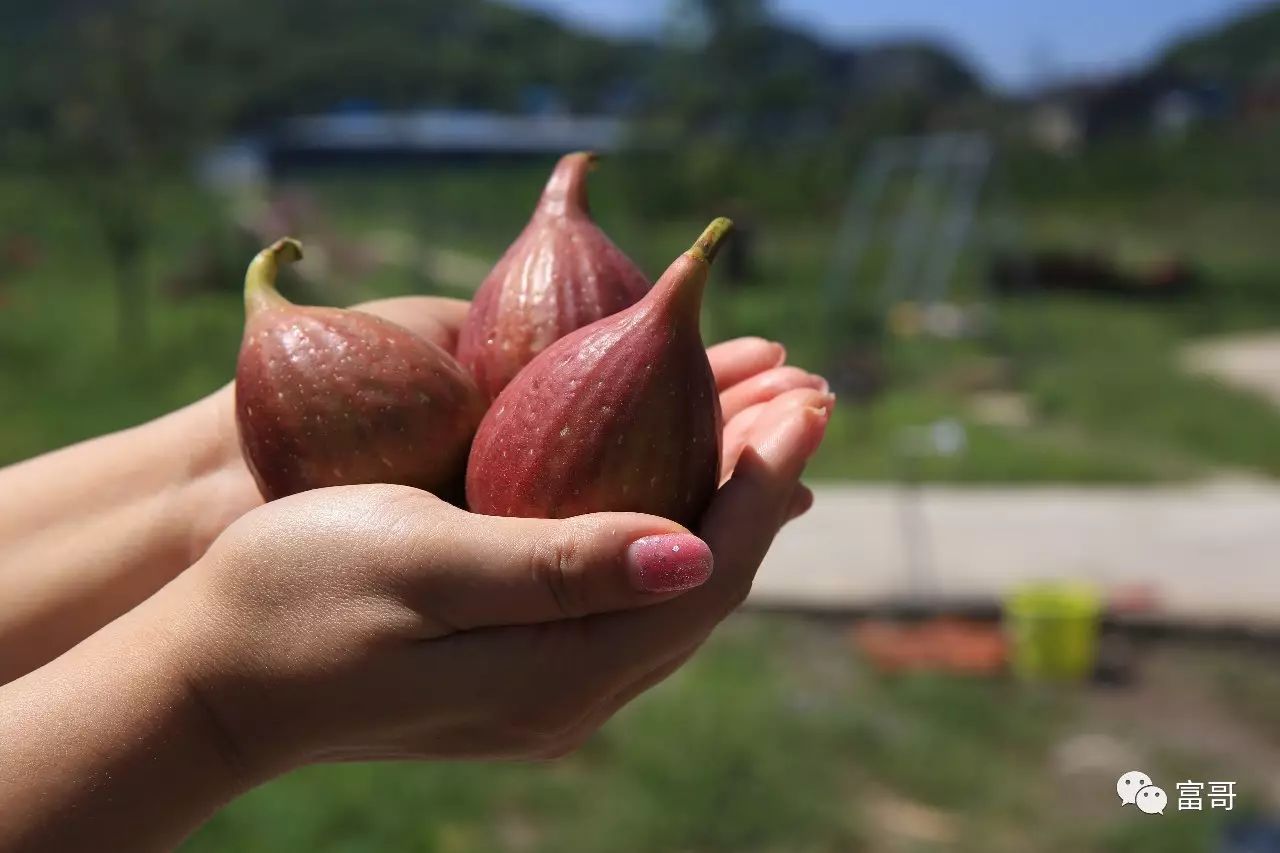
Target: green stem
706, 246
681, 286
260, 279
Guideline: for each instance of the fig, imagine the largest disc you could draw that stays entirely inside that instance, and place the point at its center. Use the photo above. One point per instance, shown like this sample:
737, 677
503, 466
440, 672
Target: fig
561, 273
621, 415
335, 397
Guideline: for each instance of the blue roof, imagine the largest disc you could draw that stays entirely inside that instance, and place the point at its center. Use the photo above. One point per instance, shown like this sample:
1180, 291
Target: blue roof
449, 130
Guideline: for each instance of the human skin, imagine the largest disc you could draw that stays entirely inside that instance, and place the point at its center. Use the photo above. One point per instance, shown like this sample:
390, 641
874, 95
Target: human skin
90, 531
342, 624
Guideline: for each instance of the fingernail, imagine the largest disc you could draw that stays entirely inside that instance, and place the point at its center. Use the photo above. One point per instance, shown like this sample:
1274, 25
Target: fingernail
669, 563
803, 431
782, 355
821, 432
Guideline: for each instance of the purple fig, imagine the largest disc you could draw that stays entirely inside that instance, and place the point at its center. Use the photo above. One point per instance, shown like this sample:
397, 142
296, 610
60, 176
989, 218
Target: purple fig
335, 397
561, 273
621, 415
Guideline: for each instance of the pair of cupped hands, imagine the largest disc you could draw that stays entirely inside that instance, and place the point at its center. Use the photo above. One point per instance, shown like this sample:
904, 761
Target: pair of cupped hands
380, 622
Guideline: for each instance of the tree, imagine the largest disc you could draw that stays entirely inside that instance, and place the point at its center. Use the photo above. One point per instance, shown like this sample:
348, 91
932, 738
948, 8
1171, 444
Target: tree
114, 121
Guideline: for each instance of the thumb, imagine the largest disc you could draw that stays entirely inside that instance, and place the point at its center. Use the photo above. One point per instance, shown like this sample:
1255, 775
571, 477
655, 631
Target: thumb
481, 571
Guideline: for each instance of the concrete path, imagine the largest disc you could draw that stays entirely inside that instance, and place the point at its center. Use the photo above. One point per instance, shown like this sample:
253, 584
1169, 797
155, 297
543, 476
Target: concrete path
1249, 362
1209, 553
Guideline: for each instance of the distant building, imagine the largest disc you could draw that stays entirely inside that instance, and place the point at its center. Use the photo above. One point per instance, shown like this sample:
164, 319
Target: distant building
379, 138
1164, 104
1056, 126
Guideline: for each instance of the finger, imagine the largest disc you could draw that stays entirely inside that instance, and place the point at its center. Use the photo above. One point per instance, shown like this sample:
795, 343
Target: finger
603, 710
765, 386
801, 502
750, 508
551, 700
620, 654
470, 571
737, 430
739, 359
436, 318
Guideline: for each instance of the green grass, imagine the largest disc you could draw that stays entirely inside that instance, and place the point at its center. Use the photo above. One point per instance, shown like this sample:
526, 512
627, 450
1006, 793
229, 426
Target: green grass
1110, 401
678, 772
1115, 373
1100, 377
867, 443
775, 738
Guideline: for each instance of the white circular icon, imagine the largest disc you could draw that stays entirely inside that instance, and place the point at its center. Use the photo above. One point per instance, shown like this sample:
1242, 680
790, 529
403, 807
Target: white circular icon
1128, 786
1152, 800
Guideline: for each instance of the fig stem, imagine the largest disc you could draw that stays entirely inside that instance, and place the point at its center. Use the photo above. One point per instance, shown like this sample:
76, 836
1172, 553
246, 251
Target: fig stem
682, 284
260, 279
705, 247
566, 189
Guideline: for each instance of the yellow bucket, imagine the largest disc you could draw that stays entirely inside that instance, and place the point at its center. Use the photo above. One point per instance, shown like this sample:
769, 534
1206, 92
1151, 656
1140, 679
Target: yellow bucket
1053, 631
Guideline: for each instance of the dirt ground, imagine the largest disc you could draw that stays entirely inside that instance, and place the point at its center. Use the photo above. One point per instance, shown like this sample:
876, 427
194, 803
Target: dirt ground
1249, 362
1183, 710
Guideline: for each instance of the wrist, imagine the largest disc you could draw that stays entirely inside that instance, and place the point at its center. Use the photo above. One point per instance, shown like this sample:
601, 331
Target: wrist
202, 648
107, 730
215, 486
209, 424
92, 530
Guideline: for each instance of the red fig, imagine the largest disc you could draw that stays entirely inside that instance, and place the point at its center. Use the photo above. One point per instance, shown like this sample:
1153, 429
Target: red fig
560, 274
332, 397
621, 415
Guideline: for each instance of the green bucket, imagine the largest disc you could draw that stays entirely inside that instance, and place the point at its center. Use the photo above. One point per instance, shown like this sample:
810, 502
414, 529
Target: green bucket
1053, 631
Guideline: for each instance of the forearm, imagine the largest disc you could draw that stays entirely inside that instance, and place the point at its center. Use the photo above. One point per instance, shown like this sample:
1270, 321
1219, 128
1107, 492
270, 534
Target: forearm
88, 532
107, 749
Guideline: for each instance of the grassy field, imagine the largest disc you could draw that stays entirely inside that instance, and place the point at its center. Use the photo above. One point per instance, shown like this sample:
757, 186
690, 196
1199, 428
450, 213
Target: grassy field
1098, 378
776, 738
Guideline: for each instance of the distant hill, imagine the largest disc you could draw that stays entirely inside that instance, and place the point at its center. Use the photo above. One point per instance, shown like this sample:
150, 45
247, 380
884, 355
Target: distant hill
253, 60
1242, 51
243, 63
766, 79
914, 65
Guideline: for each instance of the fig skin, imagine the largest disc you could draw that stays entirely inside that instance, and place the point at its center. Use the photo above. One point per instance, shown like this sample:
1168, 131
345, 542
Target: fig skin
335, 397
620, 416
561, 273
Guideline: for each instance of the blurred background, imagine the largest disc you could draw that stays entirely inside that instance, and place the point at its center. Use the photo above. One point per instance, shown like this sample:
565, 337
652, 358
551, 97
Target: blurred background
1034, 245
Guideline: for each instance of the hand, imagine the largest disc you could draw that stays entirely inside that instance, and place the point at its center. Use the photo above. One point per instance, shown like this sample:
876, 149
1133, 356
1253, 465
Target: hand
374, 622
227, 490
748, 372
91, 531
377, 622
345, 623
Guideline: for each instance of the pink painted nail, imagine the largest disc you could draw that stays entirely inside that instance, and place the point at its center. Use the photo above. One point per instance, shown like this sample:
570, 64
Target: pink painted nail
670, 563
